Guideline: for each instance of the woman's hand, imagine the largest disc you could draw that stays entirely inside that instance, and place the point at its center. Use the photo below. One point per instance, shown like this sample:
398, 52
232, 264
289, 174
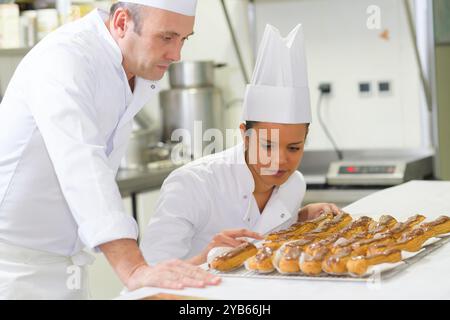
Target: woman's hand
226, 238
313, 210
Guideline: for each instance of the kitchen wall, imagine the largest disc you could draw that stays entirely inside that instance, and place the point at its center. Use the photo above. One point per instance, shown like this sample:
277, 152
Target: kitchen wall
341, 50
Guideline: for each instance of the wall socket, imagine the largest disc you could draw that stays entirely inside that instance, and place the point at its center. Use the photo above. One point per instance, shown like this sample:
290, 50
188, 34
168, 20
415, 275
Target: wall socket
325, 87
384, 86
364, 87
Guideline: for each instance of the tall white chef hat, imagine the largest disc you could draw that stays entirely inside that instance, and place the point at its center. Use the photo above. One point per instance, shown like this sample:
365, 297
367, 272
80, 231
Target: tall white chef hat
279, 91
186, 7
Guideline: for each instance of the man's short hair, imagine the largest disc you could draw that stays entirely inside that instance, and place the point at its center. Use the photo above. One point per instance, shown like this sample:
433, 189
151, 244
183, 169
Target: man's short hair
135, 11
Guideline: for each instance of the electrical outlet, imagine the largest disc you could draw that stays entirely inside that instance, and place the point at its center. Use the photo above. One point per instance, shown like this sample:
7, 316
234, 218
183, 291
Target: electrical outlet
384, 86
325, 87
364, 87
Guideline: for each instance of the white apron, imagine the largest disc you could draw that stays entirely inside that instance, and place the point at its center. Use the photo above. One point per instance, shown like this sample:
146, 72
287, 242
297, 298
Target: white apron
32, 274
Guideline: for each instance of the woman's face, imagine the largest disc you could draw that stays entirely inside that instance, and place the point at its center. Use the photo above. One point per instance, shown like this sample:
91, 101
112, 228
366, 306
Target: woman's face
274, 150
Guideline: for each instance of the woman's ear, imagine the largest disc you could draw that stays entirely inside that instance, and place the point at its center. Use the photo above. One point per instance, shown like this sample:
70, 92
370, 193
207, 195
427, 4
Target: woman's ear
244, 136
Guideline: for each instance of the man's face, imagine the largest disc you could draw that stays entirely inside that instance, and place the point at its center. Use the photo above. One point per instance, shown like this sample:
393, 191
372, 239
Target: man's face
158, 44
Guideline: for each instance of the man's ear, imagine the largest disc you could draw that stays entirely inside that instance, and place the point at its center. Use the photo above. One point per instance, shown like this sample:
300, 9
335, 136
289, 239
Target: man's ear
120, 21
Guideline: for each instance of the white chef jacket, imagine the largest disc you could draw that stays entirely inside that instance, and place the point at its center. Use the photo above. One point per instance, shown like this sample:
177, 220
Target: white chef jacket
64, 125
211, 194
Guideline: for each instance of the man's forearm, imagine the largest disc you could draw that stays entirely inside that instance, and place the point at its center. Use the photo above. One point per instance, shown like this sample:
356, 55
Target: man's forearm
124, 256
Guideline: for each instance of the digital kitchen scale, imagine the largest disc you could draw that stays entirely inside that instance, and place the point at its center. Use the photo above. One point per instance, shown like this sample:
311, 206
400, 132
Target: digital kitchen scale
389, 171
382, 167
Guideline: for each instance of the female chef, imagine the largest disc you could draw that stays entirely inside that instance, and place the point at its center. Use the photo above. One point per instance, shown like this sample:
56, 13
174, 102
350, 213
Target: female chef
254, 187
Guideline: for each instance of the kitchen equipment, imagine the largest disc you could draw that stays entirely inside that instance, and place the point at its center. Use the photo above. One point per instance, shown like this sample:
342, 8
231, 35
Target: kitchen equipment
186, 108
137, 154
379, 272
157, 152
193, 105
191, 74
326, 184
391, 170
366, 167
28, 28
47, 21
9, 26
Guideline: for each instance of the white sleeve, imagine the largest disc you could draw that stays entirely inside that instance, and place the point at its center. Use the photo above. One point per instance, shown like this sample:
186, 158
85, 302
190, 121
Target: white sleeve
181, 210
301, 188
61, 98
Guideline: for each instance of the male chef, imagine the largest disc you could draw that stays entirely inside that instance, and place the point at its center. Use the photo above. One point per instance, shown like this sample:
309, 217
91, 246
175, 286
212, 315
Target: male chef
64, 124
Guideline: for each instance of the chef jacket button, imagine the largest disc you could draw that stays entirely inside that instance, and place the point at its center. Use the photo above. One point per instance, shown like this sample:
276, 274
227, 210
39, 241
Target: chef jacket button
153, 86
248, 219
245, 197
282, 215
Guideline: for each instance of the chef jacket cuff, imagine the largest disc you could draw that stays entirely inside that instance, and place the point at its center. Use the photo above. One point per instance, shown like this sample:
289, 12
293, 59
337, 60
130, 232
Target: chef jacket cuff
95, 232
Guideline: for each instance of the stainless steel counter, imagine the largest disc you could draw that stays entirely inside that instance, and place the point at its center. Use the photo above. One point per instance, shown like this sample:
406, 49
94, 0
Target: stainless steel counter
132, 182
136, 181
341, 197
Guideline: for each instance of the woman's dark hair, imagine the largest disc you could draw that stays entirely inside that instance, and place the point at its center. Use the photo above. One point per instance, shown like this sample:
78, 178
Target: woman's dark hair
250, 124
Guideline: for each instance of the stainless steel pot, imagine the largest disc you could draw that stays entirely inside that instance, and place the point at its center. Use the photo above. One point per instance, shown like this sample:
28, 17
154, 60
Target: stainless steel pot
181, 108
140, 142
190, 74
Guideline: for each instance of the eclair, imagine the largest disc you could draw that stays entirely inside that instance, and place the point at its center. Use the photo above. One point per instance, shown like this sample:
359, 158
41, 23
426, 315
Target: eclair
262, 261
384, 223
288, 255
411, 241
337, 263
358, 265
327, 242
234, 258
360, 247
355, 227
439, 226
299, 228
312, 265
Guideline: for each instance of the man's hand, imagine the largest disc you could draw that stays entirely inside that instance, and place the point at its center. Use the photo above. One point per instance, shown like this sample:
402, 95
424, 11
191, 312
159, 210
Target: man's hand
174, 274
313, 210
129, 264
227, 238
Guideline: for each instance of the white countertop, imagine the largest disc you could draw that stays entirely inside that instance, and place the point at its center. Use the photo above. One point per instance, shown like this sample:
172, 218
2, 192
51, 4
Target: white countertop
429, 278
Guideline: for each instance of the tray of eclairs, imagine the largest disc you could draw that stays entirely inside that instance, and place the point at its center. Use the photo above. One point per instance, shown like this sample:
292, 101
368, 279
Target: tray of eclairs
334, 248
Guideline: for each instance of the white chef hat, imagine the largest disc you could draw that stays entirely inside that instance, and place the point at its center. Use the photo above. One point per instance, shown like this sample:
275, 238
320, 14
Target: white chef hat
279, 91
186, 7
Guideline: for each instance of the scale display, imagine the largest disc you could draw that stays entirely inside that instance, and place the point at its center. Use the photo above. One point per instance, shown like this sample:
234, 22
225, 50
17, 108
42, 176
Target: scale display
366, 169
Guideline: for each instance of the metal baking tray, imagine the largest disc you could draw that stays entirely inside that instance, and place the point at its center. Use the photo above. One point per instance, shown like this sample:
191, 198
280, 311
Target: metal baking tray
379, 272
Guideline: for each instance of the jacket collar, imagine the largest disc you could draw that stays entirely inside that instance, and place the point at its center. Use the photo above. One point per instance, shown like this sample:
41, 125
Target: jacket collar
98, 17
143, 89
241, 171
275, 213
